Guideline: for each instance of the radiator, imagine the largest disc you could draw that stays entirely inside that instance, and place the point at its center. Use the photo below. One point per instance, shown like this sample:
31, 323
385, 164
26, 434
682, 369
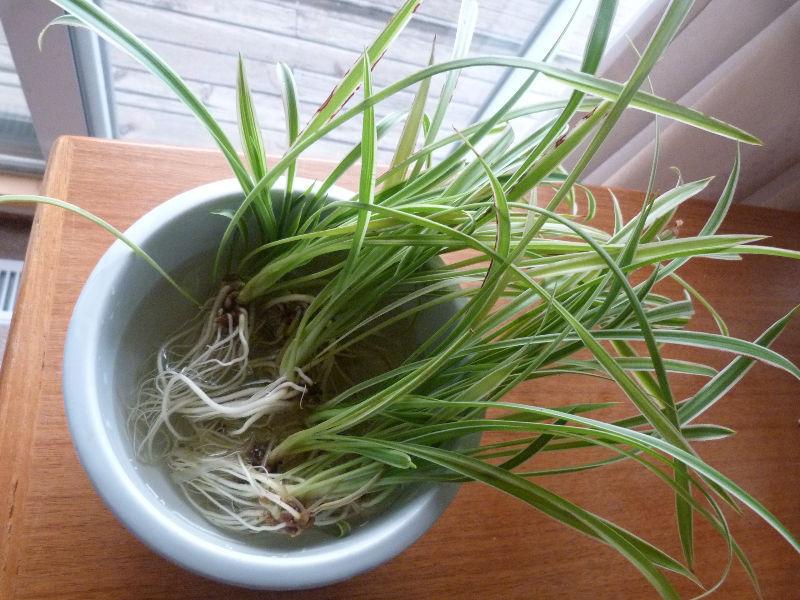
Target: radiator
10, 272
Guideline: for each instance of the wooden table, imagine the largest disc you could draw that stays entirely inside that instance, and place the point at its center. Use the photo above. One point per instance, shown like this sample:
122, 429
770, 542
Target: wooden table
57, 538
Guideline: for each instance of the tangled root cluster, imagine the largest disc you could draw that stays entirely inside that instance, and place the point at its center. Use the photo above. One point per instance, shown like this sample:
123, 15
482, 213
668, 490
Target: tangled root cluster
215, 406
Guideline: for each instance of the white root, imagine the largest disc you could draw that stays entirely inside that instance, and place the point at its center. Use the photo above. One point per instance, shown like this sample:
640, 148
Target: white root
207, 413
211, 378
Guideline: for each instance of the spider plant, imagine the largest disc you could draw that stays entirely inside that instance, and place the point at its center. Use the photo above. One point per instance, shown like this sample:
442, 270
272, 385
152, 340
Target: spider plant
260, 406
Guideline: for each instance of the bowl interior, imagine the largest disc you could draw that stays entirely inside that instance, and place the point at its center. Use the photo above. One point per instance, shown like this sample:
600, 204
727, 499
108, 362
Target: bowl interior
124, 314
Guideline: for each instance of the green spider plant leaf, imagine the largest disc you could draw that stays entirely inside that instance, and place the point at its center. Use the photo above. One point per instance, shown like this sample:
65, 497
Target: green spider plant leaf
644, 441
291, 109
467, 20
253, 145
663, 205
99, 21
341, 94
644, 557
578, 81
63, 20
137, 250
595, 48
249, 129
730, 375
366, 186
411, 129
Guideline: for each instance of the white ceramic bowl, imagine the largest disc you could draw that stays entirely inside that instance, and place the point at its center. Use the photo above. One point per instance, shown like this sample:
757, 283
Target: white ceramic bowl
121, 317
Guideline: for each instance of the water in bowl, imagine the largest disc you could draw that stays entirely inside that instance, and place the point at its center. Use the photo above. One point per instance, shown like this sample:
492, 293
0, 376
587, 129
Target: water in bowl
160, 315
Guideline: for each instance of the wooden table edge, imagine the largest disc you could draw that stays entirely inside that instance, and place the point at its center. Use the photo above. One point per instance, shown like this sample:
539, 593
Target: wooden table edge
25, 351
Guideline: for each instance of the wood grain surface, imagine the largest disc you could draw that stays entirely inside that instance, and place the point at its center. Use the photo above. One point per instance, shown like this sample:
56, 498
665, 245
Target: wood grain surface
58, 540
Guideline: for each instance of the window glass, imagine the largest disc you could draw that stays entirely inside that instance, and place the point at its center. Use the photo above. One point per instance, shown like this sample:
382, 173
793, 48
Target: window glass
319, 40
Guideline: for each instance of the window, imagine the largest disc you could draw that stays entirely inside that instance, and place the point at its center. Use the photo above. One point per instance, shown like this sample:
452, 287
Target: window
318, 39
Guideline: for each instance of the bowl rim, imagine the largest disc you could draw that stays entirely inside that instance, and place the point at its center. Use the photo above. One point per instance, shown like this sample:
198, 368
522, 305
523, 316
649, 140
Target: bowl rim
152, 521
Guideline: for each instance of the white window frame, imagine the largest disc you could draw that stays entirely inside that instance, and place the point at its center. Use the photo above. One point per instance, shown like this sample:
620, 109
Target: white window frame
66, 84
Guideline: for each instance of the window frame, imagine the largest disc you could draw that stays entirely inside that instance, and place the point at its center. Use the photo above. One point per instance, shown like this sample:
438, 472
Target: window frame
66, 84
